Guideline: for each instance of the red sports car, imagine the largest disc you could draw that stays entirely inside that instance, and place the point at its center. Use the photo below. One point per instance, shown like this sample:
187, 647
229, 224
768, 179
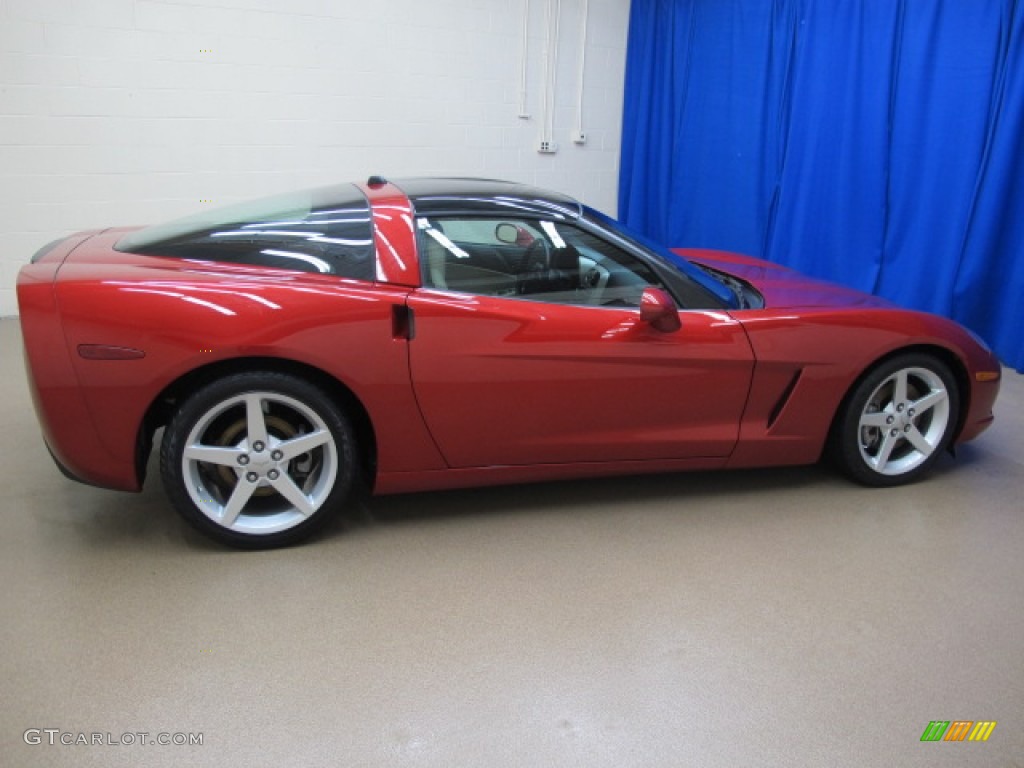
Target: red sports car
434, 333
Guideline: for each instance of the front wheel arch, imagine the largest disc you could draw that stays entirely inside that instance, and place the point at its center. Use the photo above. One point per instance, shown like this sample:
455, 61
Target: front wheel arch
946, 356
907, 356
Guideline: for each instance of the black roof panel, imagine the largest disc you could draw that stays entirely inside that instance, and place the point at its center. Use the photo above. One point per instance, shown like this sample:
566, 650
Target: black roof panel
439, 197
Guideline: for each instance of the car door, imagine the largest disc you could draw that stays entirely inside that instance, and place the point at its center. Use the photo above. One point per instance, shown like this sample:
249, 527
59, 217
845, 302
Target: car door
507, 372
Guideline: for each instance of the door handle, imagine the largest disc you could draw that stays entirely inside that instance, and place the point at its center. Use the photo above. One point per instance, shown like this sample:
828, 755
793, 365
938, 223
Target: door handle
403, 322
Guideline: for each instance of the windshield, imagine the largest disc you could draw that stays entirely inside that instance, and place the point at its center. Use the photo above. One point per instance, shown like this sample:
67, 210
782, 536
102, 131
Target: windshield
722, 292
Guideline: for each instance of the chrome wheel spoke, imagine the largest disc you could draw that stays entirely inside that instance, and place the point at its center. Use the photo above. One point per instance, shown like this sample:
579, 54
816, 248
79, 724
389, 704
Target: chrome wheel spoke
214, 454
239, 498
879, 419
255, 423
916, 439
881, 458
284, 485
303, 444
930, 400
899, 392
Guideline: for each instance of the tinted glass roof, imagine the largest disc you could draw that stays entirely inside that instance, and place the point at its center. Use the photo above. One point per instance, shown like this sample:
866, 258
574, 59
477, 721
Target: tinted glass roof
438, 197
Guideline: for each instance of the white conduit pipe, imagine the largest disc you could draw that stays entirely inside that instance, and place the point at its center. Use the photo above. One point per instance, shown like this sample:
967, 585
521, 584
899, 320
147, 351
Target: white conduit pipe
523, 114
579, 136
554, 14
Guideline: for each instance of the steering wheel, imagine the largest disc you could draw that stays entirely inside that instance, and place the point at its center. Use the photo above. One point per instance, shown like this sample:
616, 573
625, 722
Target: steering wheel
536, 257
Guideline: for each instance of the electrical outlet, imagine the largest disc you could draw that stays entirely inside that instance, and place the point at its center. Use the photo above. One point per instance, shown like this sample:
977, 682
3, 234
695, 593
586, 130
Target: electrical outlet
546, 147
579, 137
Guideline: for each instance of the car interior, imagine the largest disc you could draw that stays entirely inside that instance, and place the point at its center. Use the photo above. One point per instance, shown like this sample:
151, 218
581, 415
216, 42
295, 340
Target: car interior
540, 261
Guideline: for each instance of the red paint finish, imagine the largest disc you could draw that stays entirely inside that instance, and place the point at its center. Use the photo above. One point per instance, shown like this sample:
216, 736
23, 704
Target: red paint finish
394, 233
58, 398
806, 369
460, 389
220, 313
433, 480
781, 286
550, 383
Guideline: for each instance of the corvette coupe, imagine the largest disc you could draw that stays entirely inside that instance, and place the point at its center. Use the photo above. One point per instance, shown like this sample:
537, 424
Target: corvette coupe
435, 333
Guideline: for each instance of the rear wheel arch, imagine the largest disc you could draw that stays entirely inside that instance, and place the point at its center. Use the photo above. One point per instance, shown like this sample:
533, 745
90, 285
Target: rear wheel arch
164, 405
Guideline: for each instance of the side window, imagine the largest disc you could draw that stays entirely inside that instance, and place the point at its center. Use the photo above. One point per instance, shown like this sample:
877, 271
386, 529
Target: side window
548, 261
326, 230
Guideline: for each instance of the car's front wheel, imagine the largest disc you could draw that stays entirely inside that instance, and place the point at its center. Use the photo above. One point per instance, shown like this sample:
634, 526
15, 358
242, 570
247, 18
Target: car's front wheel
897, 420
258, 459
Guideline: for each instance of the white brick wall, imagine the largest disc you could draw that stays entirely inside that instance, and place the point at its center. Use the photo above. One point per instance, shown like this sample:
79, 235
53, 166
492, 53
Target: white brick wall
113, 112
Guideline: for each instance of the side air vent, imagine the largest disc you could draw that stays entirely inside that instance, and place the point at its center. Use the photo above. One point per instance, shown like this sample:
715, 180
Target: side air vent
784, 398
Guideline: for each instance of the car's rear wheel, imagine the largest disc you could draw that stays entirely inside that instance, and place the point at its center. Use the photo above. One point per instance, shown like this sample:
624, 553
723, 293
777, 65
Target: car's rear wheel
258, 459
897, 420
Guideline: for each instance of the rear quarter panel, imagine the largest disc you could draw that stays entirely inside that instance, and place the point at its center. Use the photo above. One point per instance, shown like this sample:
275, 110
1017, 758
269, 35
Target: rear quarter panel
186, 315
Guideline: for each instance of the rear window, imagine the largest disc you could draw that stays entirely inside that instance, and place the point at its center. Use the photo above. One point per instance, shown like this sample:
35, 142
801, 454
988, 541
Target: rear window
325, 230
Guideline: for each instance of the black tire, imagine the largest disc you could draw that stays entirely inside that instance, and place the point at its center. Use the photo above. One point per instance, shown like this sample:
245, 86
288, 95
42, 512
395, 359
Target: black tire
883, 439
270, 459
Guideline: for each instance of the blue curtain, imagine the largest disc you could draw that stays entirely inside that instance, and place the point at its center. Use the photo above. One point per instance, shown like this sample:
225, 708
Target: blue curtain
878, 143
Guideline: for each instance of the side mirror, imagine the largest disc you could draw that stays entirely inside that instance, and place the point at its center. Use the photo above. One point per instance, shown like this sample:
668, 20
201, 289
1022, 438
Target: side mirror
659, 311
512, 234
506, 232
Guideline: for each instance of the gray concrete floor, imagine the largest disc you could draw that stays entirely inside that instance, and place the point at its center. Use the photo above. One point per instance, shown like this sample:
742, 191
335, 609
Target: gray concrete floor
768, 618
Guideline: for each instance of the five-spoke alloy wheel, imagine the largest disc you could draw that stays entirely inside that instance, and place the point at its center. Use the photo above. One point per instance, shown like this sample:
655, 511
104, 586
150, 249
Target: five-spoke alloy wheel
897, 420
258, 459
